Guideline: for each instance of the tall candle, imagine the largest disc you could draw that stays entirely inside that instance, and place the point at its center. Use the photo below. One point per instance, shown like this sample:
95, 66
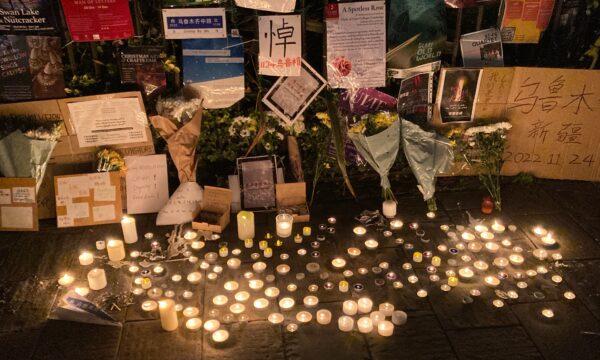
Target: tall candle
345, 323
389, 208
168, 315
97, 279
323, 316
365, 324
350, 307
129, 229
245, 223
385, 328
116, 250
376, 317
365, 305
86, 258
284, 225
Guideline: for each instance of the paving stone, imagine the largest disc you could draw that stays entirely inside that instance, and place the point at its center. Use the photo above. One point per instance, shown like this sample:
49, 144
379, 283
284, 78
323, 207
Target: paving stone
420, 338
18, 345
25, 304
583, 277
510, 342
461, 200
572, 333
145, 340
520, 199
72, 340
258, 340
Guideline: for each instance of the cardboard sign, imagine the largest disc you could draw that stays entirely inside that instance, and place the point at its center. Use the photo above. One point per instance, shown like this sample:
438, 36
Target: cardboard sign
18, 204
280, 45
523, 21
194, 23
291, 199
98, 20
147, 183
554, 113
258, 177
88, 199
26, 17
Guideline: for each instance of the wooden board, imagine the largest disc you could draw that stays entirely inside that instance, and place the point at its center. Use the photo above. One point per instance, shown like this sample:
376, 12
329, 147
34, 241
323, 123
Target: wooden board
18, 204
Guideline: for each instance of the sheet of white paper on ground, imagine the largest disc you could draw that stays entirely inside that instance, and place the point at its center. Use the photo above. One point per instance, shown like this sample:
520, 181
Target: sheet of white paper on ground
17, 217
103, 213
5, 197
108, 121
291, 95
147, 183
23, 195
183, 206
282, 6
280, 45
194, 23
73, 307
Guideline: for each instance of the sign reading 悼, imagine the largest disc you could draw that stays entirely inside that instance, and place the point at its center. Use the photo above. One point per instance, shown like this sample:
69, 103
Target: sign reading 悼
280, 43
194, 23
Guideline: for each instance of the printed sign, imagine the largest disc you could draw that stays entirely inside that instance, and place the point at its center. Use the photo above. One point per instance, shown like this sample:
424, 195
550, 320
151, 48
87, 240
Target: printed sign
524, 21
194, 23
281, 6
143, 65
457, 92
257, 180
280, 43
290, 96
356, 44
18, 204
415, 98
147, 183
482, 48
26, 17
98, 20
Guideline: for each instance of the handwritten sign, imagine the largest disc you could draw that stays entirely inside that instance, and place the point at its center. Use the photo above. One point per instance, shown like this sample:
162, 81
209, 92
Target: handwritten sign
280, 45
147, 183
183, 206
258, 178
18, 208
554, 115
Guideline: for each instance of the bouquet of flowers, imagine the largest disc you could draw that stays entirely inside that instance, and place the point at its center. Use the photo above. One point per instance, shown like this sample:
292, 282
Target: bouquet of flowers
481, 148
109, 160
26, 145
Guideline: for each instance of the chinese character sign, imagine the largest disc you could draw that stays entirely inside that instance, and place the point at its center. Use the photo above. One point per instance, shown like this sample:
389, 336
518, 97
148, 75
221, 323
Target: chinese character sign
98, 20
198, 23
280, 42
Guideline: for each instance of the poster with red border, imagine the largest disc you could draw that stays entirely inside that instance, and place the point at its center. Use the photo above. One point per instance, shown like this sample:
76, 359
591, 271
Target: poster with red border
98, 20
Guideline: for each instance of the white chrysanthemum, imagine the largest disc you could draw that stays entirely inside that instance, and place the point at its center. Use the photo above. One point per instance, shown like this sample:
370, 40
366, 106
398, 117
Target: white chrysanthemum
280, 136
488, 129
244, 133
268, 146
232, 130
298, 127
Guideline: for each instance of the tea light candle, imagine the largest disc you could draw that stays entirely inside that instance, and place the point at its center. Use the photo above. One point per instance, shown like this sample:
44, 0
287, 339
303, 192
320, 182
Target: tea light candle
323, 316
436, 261
491, 281
310, 301
386, 309
100, 245
259, 267
256, 284
198, 245
194, 277
345, 323
193, 324
211, 325
86, 258
242, 296
283, 223
365, 305
350, 307
306, 231
282, 269
168, 315
82, 290
466, 273
149, 305
389, 208
116, 250
365, 325
492, 247
480, 265
220, 336
453, 281
417, 257
66, 280
260, 303
548, 240
540, 231
304, 316
96, 279
220, 300
500, 262
268, 253
275, 318
396, 224
353, 252
399, 317
498, 228
481, 228
359, 230
176, 278
245, 225
467, 236
271, 292
385, 328
129, 230
475, 246
548, 313
371, 244
190, 312
376, 317
487, 235
286, 303
343, 286
338, 263
158, 270
516, 259
540, 254
237, 308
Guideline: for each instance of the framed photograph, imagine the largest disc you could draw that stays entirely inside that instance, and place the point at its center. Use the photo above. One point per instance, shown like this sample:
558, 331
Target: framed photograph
258, 176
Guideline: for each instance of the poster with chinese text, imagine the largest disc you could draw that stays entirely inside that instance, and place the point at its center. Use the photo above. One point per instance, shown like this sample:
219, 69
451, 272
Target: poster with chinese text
26, 17
356, 44
98, 20
194, 23
457, 91
524, 21
280, 43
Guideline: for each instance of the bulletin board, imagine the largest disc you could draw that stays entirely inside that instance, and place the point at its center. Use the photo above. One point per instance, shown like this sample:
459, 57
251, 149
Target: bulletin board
88, 199
18, 205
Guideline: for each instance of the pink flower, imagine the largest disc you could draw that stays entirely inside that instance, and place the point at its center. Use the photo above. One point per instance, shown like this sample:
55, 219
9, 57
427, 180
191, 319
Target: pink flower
343, 65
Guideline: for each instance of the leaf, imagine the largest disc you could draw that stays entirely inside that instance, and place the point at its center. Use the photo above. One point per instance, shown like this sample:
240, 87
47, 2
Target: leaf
338, 139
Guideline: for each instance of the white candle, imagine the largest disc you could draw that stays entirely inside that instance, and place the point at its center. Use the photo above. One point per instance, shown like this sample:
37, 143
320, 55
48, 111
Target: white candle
364, 305
304, 316
467, 236
399, 317
116, 250
66, 280
480, 265
338, 263
491, 281
237, 308
516, 259
323, 316
129, 230
497, 227
220, 336
82, 290
540, 231
96, 279
193, 324
365, 324
350, 307
500, 262
345, 323
353, 252
234, 263
359, 230
492, 247
245, 225
259, 267
286, 303
220, 300
283, 224
255, 284
385, 328
282, 269
466, 272
487, 235
371, 244
194, 277
481, 228
149, 305
548, 240
261, 303
396, 224
86, 258
242, 296
211, 325
386, 309
376, 317
271, 292
310, 301
168, 315
389, 208
548, 313
275, 318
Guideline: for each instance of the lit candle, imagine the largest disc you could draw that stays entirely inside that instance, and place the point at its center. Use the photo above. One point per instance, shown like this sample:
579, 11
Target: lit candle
66, 280
260, 303
168, 315
497, 227
286, 303
492, 247
303, 316
399, 317
500, 262
86, 258
386, 309
82, 290
540, 231
129, 230
323, 316
548, 240
350, 307
491, 281
540, 254
467, 236
343, 286
516, 259
242, 296
475, 246
480, 265
481, 228
487, 235
193, 324
198, 245
259, 267
282, 269
234, 263
220, 336
190, 235
548, 313
96, 279
190, 312
436, 261
389, 208
396, 224
417, 257
116, 250
359, 230
338, 263
453, 281
385, 328
364, 305
306, 231
245, 225
248, 243
237, 308
275, 318
310, 301
365, 325
345, 323
158, 269
466, 273
353, 252
371, 244
149, 305
220, 300
256, 284
194, 277
376, 317
283, 223
211, 325
100, 245
268, 253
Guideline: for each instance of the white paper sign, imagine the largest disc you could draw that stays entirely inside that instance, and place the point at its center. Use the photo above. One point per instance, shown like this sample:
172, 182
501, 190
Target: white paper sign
104, 193
280, 45
64, 221
194, 23
17, 217
23, 195
5, 196
108, 121
356, 44
147, 183
78, 210
183, 206
282, 6
290, 96
103, 213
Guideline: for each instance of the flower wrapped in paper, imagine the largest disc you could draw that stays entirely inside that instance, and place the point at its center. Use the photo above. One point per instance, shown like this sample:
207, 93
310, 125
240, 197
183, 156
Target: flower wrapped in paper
26, 146
178, 123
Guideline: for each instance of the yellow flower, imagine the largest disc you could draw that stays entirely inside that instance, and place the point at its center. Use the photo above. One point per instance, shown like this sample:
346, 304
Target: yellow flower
383, 119
324, 117
357, 128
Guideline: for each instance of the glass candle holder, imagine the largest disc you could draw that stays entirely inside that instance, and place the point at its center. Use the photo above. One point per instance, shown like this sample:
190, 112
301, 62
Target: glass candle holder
283, 224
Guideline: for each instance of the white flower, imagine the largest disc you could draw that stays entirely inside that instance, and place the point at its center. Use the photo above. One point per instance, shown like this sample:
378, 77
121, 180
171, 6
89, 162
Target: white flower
280, 136
270, 130
488, 129
298, 127
268, 146
244, 133
232, 130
